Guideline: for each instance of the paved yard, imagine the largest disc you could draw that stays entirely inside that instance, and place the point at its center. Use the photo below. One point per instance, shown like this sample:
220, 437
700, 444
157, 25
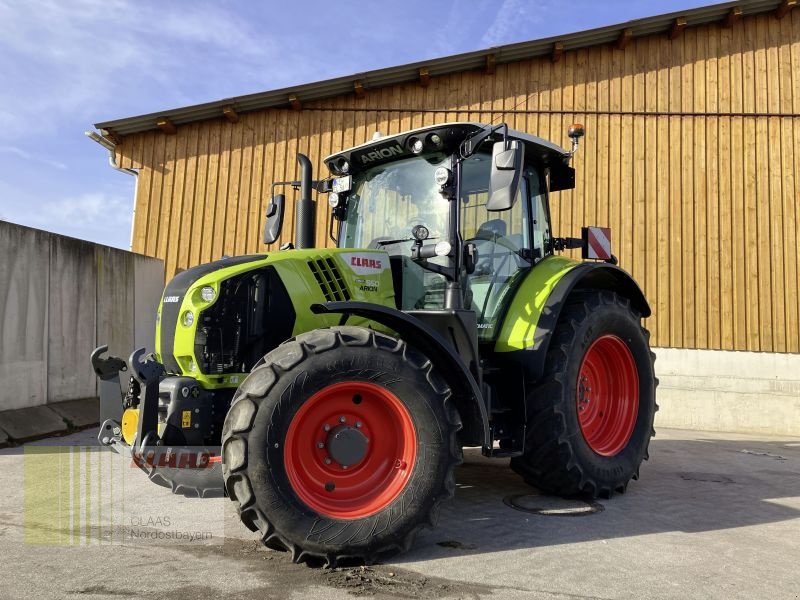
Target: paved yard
713, 516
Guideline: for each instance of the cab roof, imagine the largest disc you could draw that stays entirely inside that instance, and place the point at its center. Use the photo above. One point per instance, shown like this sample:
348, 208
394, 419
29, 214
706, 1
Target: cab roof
450, 135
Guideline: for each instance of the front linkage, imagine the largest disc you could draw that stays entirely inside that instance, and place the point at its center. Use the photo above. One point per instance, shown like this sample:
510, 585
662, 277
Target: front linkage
162, 419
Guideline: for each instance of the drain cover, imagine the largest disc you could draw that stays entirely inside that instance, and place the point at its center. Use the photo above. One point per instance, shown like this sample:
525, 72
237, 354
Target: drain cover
552, 506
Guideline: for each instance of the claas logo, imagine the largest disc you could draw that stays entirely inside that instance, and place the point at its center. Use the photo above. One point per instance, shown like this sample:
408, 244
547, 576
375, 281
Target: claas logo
370, 263
186, 459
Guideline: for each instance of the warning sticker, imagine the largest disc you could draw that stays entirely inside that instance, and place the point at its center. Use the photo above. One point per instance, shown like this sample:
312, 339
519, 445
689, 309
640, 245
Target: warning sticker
186, 418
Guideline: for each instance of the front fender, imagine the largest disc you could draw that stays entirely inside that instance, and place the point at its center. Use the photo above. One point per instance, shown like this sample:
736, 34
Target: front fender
468, 397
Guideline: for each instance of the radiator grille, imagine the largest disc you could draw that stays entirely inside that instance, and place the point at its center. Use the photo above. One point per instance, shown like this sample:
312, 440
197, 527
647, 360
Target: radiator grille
329, 279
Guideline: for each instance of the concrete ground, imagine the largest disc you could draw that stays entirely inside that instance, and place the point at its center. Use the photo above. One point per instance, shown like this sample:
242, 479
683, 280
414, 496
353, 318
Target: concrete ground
713, 516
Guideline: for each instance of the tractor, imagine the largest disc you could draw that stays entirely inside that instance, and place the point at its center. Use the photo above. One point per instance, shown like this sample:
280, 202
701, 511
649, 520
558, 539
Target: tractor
329, 392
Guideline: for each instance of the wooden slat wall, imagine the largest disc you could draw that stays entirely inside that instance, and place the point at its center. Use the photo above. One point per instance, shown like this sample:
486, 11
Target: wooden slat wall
692, 157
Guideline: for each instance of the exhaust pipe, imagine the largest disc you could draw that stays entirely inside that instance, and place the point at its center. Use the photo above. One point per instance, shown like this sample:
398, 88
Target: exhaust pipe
306, 207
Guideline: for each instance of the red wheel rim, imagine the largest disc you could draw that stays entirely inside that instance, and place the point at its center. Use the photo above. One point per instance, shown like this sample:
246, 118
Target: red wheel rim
608, 395
381, 436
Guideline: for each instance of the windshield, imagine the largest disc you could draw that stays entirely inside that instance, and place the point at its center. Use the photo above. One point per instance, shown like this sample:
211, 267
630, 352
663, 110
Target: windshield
387, 201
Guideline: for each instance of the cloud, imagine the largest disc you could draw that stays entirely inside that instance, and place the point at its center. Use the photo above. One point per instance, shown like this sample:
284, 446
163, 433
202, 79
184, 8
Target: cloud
515, 20
97, 216
88, 210
33, 158
75, 59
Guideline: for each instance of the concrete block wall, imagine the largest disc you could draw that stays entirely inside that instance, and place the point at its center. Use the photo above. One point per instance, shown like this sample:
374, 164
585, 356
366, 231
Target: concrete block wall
715, 390
59, 299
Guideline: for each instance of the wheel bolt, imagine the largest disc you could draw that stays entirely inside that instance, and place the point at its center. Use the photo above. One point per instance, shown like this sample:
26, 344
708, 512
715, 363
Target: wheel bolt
327, 461
326, 427
320, 445
342, 420
344, 466
358, 424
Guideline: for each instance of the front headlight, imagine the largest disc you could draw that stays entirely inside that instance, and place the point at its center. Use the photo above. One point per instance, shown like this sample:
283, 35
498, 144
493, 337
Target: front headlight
207, 293
188, 318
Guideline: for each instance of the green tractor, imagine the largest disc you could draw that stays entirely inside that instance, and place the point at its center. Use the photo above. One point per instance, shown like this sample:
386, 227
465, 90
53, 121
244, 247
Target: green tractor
331, 390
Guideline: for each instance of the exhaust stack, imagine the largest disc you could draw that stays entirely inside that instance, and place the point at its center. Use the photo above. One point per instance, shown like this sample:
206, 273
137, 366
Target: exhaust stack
306, 207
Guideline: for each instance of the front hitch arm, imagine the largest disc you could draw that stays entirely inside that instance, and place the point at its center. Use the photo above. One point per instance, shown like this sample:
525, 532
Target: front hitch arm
107, 370
148, 373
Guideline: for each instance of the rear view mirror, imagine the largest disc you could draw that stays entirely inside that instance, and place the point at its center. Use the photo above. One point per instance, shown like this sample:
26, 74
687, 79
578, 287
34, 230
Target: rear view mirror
505, 175
562, 177
272, 226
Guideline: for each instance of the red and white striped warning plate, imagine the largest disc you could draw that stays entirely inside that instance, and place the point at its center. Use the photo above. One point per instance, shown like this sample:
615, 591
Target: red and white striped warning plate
598, 243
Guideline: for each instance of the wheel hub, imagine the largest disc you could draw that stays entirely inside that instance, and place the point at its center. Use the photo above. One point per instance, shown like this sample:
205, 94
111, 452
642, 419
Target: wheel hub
347, 445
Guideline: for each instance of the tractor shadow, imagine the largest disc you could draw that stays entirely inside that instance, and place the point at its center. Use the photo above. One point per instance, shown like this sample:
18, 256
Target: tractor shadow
687, 486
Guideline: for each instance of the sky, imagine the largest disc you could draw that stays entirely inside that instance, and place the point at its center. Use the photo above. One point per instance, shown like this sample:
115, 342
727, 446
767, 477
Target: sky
67, 64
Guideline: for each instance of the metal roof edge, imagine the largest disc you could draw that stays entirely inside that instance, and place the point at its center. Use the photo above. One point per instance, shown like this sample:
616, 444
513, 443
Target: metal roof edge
329, 88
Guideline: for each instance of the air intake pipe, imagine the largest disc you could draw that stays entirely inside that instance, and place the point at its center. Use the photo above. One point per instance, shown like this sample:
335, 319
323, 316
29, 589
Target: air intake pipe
306, 207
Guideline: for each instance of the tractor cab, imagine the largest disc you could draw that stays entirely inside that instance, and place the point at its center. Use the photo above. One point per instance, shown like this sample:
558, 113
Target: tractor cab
461, 209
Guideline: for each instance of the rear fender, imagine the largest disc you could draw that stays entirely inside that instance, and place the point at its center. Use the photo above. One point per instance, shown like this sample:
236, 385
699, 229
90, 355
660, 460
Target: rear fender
587, 275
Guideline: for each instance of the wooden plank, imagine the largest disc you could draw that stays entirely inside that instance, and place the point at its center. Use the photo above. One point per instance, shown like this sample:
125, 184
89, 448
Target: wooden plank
292, 170
210, 197
778, 285
232, 199
712, 219
584, 194
242, 214
156, 185
690, 306
167, 199
172, 225
186, 230
750, 172
638, 234
649, 48
627, 166
614, 147
738, 177
221, 193
183, 203
198, 239
141, 218
662, 257
268, 176
699, 232
762, 197
255, 220
790, 136
725, 190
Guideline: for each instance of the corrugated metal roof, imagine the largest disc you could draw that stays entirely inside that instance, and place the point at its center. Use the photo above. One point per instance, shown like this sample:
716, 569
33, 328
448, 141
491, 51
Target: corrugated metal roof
436, 67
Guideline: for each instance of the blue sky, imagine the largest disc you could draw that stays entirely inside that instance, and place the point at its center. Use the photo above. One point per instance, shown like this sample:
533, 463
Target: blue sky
65, 65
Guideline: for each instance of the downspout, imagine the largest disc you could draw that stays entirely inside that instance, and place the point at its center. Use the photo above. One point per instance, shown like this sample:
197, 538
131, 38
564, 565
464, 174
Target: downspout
112, 161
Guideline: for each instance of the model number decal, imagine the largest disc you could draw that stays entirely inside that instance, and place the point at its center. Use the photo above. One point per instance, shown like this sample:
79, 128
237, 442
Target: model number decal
171, 299
380, 153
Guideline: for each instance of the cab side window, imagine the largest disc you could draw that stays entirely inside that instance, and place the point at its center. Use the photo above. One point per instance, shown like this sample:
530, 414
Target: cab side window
502, 240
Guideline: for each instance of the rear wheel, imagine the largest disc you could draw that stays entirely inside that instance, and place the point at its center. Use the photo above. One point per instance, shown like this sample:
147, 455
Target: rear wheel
342, 444
591, 416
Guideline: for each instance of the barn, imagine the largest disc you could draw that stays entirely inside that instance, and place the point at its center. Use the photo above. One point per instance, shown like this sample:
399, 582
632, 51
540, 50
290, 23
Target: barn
692, 158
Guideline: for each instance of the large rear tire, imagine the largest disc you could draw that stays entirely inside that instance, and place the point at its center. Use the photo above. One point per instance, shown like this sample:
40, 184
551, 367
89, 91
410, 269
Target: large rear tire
341, 445
591, 416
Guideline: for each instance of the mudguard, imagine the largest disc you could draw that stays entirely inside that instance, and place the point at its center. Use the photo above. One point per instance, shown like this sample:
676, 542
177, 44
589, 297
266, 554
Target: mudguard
469, 399
530, 348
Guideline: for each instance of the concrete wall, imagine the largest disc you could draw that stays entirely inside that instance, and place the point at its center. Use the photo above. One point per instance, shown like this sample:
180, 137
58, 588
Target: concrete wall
59, 299
746, 392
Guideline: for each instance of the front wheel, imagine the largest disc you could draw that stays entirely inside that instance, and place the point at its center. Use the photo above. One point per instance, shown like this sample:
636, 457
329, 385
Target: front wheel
592, 413
342, 444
